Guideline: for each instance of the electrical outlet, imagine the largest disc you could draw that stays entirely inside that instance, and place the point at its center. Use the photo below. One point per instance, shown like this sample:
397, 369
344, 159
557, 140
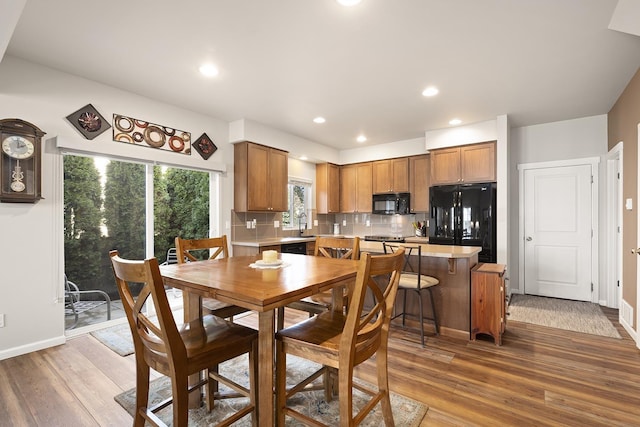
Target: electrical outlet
254, 223
368, 223
276, 224
1, 320
344, 222
315, 222
249, 224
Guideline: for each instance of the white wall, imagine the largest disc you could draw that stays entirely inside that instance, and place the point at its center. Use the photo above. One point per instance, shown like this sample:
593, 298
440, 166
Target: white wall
570, 139
31, 258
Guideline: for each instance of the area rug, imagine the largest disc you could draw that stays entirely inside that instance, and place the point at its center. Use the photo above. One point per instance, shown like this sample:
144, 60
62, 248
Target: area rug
406, 412
117, 338
578, 316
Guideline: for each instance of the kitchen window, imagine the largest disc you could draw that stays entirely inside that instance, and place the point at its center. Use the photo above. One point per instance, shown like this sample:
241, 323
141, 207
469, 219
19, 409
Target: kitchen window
299, 205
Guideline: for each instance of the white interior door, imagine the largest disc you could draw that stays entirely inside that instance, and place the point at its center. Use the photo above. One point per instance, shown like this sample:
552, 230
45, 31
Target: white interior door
558, 232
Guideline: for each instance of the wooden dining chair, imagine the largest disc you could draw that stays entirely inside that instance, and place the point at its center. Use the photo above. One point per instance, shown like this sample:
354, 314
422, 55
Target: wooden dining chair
330, 247
342, 341
207, 248
414, 280
196, 347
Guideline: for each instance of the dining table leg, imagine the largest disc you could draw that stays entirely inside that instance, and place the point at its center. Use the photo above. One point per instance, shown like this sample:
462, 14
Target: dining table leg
266, 331
192, 310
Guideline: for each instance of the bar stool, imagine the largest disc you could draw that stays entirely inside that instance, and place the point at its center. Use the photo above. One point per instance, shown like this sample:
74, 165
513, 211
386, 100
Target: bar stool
417, 282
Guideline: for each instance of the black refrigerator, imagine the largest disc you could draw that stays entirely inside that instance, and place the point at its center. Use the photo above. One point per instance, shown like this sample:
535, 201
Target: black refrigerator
464, 215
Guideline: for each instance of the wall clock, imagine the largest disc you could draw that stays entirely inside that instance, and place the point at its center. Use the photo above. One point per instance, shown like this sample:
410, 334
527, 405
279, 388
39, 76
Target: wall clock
21, 165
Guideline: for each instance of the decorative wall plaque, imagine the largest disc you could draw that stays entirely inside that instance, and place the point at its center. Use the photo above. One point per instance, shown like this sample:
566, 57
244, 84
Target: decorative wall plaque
88, 121
204, 146
139, 132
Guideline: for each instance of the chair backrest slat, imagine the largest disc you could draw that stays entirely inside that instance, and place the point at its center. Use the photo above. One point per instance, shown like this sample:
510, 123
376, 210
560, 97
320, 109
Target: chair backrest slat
161, 336
364, 332
338, 247
216, 245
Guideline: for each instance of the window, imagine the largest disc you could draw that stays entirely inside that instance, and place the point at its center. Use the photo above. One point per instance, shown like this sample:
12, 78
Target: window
299, 196
105, 207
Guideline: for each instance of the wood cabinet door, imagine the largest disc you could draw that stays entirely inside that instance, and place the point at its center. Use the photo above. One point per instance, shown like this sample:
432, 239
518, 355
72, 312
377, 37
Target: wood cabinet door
258, 185
327, 188
478, 162
391, 176
419, 171
445, 166
382, 176
364, 187
400, 175
278, 180
348, 188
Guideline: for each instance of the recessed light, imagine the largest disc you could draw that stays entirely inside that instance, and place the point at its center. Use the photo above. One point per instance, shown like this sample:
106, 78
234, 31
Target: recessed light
208, 70
430, 91
455, 122
361, 138
348, 3
303, 157
319, 120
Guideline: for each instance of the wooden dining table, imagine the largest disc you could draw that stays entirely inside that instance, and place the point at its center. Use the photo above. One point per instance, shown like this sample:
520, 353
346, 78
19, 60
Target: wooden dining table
263, 290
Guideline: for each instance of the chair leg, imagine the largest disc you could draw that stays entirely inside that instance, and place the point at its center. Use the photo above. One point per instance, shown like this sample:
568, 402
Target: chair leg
253, 384
180, 387
281, 383
383, 387
345, 380
404, 308
433, 309
280, 319
142, 393
211, 387
421, 318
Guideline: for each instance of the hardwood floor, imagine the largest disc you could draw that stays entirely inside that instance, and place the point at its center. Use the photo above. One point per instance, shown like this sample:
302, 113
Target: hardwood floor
538, 377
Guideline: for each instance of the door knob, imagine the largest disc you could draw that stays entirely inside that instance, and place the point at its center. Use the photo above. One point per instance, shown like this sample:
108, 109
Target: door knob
529, 238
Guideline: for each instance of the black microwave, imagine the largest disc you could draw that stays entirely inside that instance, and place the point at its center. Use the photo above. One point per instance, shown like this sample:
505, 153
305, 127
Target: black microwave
391, 204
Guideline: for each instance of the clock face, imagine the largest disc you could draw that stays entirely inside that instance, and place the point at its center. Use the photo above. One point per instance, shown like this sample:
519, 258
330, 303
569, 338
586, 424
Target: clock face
18, 147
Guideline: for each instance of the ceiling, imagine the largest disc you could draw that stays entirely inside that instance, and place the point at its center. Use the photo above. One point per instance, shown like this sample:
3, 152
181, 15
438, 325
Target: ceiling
284, 62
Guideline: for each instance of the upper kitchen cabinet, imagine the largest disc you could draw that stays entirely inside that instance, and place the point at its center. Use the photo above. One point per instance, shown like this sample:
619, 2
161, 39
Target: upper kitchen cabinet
419, 169
356, 188
327, 188
391, 176
260, 178
464, 164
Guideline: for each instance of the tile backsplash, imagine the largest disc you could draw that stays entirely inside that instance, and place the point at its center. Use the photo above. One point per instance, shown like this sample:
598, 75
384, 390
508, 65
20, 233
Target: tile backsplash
349, 224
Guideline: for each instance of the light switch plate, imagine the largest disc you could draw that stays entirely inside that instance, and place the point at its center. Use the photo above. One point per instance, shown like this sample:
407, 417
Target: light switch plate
276, 224
315, 222
1, 320
628, 204
249, 224
344, 222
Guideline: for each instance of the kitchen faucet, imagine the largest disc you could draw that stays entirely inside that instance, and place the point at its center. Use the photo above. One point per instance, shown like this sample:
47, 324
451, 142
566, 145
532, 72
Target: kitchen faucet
302, 222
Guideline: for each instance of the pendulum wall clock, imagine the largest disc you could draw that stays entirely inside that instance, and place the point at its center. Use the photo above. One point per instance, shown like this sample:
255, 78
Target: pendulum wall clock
21, 166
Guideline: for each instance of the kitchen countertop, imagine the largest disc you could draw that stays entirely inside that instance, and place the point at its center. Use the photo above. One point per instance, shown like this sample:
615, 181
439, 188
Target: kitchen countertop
428, 250
274, 241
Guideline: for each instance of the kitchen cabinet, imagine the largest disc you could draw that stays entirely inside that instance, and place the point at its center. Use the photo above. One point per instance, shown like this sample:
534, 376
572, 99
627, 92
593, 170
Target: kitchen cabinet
260, 178
419, 179
391, 176
327, 188
464, 164
488, 301
356, 188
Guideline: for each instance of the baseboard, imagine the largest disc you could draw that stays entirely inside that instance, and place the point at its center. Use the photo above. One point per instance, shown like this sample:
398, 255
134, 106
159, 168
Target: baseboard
627, 327
31, 347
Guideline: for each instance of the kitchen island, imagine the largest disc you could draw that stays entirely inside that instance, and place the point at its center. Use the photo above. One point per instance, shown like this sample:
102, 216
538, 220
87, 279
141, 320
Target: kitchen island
451, 265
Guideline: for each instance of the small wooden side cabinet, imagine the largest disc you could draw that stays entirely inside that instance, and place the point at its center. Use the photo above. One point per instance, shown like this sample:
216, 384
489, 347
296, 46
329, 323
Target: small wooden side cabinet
488, 301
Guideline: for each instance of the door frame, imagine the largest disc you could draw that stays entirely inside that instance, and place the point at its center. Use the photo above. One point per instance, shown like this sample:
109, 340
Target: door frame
613, 233
590, 161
